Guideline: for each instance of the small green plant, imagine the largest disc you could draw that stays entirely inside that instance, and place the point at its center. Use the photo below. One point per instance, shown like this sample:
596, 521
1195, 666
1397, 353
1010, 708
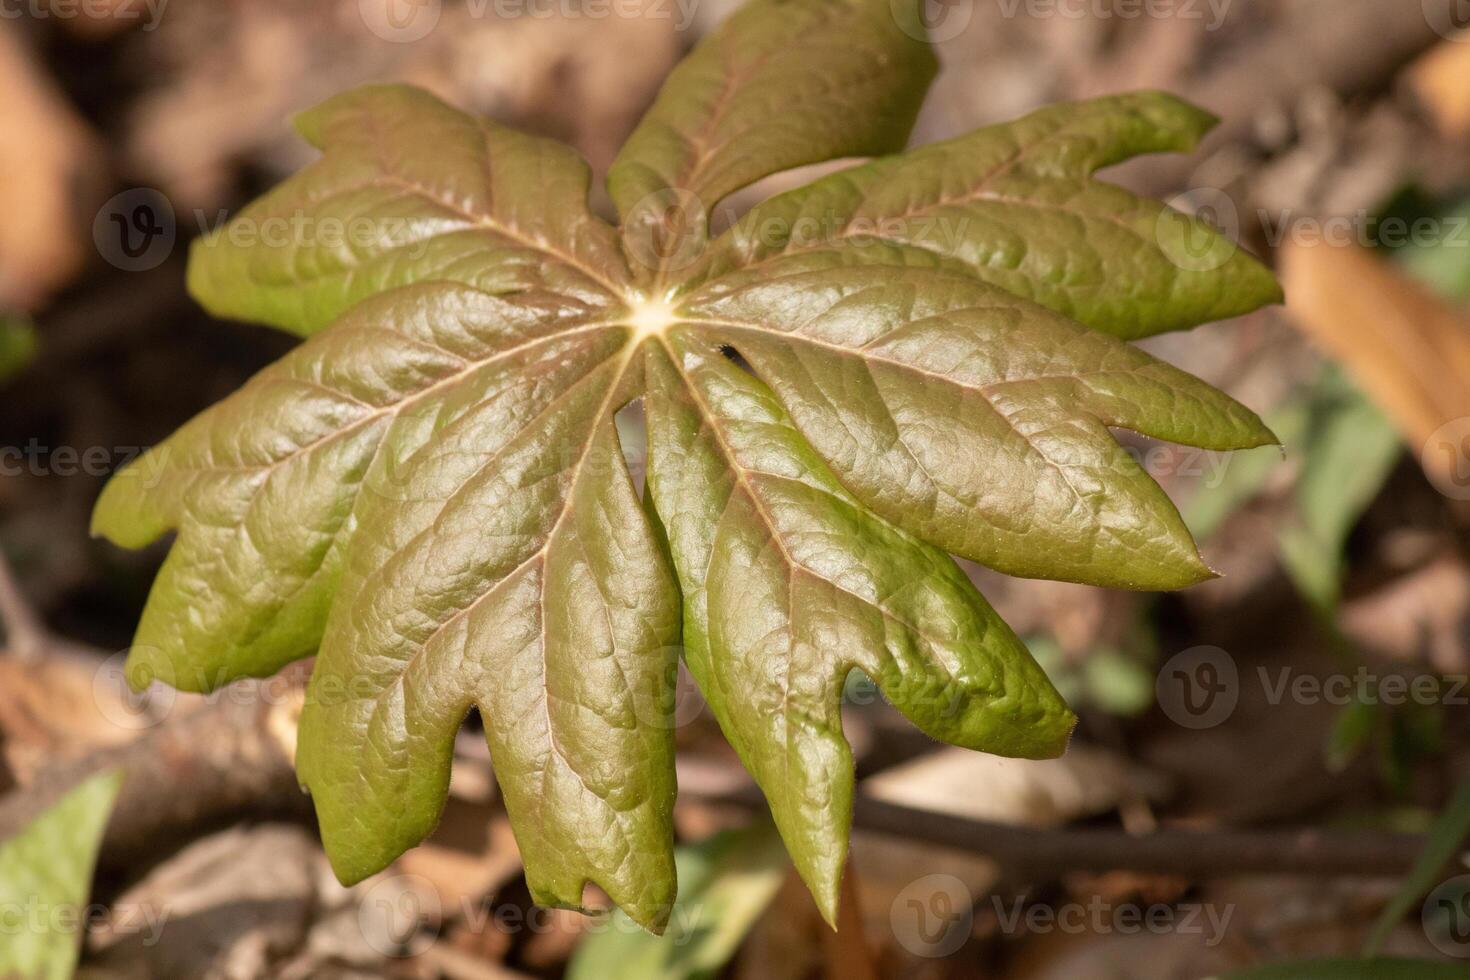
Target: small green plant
918, 355
46, 877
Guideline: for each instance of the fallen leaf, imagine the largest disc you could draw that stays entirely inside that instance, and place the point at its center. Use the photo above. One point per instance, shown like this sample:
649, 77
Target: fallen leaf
1405, 346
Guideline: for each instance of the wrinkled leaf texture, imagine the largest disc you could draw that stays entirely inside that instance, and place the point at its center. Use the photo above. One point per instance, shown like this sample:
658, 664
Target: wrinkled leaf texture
430, 492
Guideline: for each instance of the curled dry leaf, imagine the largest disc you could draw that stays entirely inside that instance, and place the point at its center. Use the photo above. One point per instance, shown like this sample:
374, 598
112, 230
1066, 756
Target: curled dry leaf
47, 155
1407, 347
1441, 80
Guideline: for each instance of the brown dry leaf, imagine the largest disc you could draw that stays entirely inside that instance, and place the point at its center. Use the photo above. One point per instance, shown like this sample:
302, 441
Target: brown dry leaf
472, 854
786, 941
1048, 793
1406, 347
234, 73
847, 951
46, 154
1441, 81
66, 704
227, 906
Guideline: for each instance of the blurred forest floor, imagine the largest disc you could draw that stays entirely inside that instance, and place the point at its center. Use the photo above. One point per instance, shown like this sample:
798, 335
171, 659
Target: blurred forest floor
1344, 158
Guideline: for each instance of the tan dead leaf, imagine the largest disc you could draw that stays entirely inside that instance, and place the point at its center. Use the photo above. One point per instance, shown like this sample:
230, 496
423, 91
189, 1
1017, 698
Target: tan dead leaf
64, 705
1046, 793
1421, 617
46, 153
471, 855
1441, 81
1406, 347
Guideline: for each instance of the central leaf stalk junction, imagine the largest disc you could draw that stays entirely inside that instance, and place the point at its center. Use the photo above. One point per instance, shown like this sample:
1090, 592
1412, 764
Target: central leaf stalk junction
649, 317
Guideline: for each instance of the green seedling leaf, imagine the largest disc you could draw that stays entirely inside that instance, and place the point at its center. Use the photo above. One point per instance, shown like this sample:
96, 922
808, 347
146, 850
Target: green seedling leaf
1347, 452
1347, 448
725, 883
431, 491
1449, 834
46, 878
17, 346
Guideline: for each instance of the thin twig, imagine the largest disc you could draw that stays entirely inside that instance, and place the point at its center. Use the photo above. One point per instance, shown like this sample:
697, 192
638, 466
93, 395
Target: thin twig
1047, 852
203, 767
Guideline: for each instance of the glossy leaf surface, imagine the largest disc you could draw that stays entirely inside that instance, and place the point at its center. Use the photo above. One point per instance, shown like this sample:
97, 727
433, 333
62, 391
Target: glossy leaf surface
431, 493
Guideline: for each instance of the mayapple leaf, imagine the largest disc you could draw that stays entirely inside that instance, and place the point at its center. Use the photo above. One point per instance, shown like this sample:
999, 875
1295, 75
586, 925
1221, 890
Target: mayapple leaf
1016, 205
789, 584
979, 420
263, 487
778, 85
431, 494
407, 190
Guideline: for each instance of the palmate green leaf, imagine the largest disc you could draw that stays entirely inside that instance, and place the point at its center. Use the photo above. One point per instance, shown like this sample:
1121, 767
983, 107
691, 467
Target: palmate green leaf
979, 420
789, 585
432, 495
778, 85
1015, 205
46, 878
407, 190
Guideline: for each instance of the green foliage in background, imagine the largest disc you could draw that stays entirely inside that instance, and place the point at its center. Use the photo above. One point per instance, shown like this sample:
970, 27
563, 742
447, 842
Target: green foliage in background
17, 345
725, 883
